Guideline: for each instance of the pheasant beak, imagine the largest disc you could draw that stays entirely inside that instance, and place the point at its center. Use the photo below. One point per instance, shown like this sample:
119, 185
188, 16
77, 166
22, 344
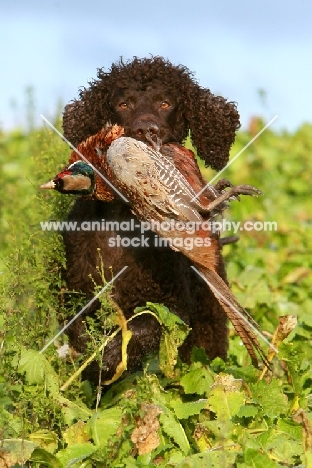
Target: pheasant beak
48, 185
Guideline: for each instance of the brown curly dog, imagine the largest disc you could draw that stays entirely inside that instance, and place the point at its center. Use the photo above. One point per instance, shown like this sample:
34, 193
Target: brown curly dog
153, 96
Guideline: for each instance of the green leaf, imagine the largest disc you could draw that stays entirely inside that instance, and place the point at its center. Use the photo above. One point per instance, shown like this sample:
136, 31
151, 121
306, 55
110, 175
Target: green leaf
129, 462
250, 276
290, 427
76, 434
174, 332
75, 454
308, 458
297, 274
198, 380
38, 370
46, 439
226, 399
280, 446
256, 459
270, 397
247, 373
15, 451
185, 410
174, 457
294, 355
74, 411
221, 429
209, 459
174, 430
247, 411
104, 424
306, 317
45, 458
258, 293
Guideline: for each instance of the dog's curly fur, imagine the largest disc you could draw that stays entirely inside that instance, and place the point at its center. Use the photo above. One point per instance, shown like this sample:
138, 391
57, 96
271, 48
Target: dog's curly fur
167, 101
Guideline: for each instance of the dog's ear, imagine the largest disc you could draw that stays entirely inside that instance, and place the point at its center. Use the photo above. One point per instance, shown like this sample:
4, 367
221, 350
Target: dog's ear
72, 112
88, 114
213, 123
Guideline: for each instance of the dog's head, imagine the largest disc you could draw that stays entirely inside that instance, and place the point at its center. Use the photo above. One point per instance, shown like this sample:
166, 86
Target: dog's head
151, 95
149, 110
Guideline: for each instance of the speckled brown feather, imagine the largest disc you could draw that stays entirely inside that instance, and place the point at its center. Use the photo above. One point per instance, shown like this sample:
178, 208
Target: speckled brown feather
184, 159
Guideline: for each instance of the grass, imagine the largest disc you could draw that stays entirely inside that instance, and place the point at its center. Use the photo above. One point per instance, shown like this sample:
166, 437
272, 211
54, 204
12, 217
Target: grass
206, 414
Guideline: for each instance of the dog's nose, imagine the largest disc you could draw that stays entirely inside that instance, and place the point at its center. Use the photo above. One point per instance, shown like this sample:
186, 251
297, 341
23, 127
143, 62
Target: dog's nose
141, 127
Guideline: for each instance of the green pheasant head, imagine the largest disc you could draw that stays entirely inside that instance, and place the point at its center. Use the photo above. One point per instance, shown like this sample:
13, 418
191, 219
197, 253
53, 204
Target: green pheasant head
77, 179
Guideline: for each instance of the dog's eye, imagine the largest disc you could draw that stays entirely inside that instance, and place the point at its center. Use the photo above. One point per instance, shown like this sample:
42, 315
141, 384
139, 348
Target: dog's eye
123, 105
164, 104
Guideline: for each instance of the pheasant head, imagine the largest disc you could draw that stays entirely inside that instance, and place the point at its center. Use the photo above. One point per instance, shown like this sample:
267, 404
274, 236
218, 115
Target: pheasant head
77, 179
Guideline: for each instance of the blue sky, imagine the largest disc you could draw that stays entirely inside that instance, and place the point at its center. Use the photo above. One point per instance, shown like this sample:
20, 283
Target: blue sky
235, 48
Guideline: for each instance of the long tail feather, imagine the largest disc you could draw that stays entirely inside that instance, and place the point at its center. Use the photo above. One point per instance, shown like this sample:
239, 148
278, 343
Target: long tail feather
244, 324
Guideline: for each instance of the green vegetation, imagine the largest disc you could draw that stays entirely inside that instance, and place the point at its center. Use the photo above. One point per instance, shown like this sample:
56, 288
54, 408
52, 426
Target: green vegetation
208, 414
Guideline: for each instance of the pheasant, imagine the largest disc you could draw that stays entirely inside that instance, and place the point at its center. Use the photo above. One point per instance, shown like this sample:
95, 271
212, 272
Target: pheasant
162, 195
97, 144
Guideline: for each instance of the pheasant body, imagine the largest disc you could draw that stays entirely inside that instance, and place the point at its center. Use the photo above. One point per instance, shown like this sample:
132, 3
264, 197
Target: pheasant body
158, 191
